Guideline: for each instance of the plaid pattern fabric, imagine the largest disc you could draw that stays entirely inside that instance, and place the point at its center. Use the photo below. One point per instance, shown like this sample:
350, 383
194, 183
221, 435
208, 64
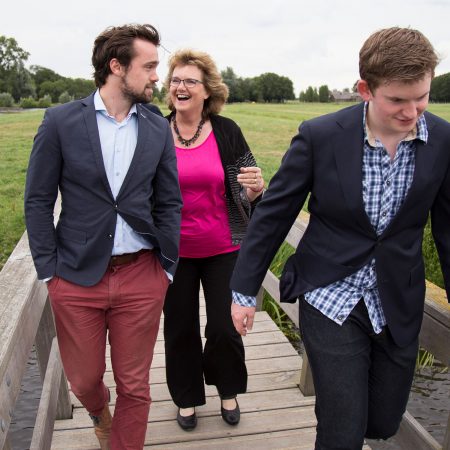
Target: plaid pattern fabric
385, 186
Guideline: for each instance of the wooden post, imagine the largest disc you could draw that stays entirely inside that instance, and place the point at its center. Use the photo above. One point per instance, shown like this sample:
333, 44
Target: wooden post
446, 445
259, 299
7, 445
44, 339
43, 428
306, 381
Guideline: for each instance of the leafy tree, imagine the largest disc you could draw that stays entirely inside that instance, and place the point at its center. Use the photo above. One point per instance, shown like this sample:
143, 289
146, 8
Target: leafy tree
11, 55
324, 94
28, 102
14, 77
311, 95
6, 99
64, 97
44, 102
440, 88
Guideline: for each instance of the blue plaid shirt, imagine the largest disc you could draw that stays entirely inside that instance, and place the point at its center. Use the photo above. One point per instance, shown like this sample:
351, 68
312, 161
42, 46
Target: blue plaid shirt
385, 186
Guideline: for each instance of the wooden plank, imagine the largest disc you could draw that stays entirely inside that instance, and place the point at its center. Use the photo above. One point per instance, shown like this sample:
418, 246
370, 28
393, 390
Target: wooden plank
285, 440
254, 367
166, 410
43, 428
254, 352
412, 435
213, 427
256, 383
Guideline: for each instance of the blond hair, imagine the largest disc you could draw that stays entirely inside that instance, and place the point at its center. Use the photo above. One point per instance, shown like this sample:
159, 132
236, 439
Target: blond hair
212, 80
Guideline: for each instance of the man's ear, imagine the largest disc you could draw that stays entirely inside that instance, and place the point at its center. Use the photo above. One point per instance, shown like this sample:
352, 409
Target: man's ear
364, 90
115, 66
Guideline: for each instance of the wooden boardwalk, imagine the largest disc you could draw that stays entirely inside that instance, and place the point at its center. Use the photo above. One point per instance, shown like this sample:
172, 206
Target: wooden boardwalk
274, 412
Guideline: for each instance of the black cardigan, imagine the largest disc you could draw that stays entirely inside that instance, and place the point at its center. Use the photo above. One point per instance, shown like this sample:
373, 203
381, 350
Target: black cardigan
234, 154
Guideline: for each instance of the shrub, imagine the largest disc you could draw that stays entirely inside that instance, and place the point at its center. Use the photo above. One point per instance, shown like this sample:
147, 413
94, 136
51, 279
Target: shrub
6, 99
64, 97
45, 101
28, 102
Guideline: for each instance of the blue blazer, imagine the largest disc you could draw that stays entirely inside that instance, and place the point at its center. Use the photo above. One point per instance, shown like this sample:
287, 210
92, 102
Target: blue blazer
67, 156
325, 161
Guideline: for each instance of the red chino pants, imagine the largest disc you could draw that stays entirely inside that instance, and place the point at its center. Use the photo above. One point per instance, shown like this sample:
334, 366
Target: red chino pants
126, 303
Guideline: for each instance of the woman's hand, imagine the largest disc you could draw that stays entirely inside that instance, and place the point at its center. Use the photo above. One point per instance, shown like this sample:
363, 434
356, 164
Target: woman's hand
252, 180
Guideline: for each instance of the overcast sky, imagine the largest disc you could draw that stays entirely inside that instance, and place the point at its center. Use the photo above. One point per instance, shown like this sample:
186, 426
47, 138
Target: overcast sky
313, 42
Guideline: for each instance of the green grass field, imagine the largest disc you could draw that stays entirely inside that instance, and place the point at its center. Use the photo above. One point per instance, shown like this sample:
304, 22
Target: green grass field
268, 129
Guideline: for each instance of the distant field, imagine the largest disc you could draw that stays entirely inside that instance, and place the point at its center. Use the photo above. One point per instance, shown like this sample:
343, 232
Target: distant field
268, 129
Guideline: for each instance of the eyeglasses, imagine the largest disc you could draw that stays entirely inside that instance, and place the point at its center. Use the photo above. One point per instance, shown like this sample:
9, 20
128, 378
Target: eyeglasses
188, 82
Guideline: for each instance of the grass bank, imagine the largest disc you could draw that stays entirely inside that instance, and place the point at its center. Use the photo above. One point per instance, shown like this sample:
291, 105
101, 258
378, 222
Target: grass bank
268, 129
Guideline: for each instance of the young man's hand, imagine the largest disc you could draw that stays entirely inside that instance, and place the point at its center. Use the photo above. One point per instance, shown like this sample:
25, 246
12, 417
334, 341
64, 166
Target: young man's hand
242, 318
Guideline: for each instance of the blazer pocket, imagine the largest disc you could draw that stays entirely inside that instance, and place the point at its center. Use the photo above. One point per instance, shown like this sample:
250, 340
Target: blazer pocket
70, 234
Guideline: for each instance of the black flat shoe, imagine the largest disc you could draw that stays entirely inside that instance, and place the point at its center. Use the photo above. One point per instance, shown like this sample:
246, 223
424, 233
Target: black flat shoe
231, 416
188, 423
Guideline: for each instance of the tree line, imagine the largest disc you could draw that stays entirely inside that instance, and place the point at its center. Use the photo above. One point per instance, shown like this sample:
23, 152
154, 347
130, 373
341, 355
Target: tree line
36, 86
440, 89
41, 86
267, 87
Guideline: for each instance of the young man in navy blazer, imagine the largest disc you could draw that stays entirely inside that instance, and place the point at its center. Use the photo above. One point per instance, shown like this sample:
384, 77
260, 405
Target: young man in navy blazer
108, 262
374, 172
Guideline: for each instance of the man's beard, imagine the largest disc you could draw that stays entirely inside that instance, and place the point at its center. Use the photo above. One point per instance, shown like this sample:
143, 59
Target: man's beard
133, 96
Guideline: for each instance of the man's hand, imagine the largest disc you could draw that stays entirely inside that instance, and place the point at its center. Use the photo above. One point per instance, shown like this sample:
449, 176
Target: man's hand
242, 318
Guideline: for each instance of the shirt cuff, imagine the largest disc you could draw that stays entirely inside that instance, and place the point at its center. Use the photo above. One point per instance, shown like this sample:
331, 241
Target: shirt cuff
243, 300
46, 279
169, 276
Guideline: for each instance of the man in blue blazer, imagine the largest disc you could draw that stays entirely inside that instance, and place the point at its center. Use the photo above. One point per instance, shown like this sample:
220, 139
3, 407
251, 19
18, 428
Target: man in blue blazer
374, 171
110, 257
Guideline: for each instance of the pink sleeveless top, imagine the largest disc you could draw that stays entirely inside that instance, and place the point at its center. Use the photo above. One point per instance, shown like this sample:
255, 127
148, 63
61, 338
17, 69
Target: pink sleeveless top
204, 218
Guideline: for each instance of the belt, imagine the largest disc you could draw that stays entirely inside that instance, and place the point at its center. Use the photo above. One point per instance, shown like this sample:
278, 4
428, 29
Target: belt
126, 258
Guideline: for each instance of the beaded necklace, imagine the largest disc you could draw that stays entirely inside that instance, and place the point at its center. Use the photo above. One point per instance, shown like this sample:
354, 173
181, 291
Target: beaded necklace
187, 142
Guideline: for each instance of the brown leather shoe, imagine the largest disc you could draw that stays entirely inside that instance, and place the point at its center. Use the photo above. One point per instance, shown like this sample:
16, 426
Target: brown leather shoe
102, 427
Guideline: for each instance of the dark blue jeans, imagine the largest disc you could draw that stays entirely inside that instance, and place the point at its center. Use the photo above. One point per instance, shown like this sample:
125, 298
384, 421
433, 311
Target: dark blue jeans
362, 379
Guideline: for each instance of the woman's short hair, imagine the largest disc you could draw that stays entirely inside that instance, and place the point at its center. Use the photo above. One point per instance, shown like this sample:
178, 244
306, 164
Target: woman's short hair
212, 80
396, 54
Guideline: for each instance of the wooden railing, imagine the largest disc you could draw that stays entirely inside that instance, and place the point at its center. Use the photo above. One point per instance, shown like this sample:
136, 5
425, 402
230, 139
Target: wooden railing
26, 318
434, 337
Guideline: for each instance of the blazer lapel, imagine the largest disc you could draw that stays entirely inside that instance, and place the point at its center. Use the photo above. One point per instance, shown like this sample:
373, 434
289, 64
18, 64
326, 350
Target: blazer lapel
141, 144
348, 152
92, 129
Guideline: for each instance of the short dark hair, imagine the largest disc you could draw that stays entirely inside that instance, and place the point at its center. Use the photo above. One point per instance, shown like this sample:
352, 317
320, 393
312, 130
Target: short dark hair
396, 54
117, 42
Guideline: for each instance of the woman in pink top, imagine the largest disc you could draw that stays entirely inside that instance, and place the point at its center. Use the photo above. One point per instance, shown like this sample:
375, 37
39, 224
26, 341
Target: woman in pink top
220, 185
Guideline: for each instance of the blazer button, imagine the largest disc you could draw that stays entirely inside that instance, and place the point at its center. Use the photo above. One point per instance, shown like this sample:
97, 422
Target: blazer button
110, 236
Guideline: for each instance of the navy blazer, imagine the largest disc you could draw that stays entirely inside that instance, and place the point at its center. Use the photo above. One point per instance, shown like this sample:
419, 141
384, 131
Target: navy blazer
67, 155
325, 160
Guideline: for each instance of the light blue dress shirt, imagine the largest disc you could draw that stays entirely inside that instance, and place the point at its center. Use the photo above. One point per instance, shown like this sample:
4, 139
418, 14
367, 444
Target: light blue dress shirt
118, 142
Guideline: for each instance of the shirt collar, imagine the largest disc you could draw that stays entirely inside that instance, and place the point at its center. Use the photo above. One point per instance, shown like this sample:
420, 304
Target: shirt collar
100, 105
419, 132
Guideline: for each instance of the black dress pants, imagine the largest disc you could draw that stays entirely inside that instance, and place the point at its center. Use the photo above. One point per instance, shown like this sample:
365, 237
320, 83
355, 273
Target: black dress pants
362, 379
222, 360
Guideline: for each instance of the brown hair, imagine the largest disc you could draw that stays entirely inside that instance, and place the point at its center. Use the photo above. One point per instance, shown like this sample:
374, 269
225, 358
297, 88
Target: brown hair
396, 54
117, 42
212, 80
